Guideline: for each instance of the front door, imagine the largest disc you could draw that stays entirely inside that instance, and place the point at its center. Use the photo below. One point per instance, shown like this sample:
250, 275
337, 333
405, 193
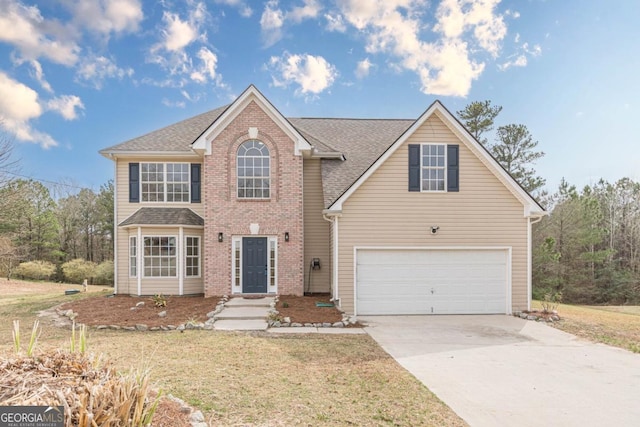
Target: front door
254, 265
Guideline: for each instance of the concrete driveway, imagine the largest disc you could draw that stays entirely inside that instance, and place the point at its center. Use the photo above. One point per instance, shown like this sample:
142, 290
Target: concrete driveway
505, 371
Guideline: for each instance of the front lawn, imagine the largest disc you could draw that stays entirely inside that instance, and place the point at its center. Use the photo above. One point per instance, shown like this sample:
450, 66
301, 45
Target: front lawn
613, 325
257, 378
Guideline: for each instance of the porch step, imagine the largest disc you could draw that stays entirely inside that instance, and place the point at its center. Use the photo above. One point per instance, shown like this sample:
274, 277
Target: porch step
242, 313
249, 302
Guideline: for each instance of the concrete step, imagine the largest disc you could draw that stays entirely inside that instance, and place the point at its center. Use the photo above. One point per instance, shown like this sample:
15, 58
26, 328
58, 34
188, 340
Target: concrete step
249, 302
240, 325
240, 313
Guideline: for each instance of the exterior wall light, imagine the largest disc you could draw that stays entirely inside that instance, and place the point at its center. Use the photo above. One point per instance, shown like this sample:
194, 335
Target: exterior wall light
434, 229
286, 236
220, 237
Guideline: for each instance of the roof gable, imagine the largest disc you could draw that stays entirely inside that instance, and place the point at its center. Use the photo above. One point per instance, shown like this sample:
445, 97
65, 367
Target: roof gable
203, 143
531, 206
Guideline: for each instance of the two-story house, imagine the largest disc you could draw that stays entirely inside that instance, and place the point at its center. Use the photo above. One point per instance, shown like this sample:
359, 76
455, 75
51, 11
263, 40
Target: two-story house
389, 216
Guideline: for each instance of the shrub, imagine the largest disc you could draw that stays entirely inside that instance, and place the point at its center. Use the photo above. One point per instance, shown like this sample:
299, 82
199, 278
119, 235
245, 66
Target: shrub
104, 274
76, 270
35, 270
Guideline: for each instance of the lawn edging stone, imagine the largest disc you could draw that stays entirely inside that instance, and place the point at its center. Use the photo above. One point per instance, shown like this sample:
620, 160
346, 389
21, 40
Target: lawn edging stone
274, 321
538, 316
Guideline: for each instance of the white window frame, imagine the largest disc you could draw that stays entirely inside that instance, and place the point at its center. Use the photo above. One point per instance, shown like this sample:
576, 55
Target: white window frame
165, 182
176, 256
236, 276
133, 256
187, 256
238, 177
424, 168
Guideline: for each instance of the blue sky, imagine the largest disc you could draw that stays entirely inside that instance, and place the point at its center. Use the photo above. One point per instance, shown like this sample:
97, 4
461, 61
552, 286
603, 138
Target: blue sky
77, 76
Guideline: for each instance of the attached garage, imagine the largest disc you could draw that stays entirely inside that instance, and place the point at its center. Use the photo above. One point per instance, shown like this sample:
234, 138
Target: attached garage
432, 281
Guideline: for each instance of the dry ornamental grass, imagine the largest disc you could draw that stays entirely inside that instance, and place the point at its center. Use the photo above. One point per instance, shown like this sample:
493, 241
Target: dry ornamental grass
91, 392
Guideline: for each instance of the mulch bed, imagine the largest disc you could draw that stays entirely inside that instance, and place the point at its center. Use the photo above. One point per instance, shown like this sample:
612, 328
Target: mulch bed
305, 310
121, 310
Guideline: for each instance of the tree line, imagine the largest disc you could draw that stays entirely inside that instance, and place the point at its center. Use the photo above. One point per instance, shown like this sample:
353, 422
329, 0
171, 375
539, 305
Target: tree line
52, 225
587, 250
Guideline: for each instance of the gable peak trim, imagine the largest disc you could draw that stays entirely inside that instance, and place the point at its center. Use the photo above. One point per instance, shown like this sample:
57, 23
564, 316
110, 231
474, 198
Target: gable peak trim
251, 94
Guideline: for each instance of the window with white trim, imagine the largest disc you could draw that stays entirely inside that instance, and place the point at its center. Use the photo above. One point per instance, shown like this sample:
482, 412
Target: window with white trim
160, 259
133, 256
272, 263
433, 167
253, 170
192, 256
162, 182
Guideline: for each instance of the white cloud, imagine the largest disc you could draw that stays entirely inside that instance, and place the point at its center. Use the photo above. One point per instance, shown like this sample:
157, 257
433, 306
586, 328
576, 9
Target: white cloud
271, 23
66, 106
176, 104
95, 69
313, 74
38, 74
245, 10
107, 16
445, 65
18, 106
207, 70
335, 23
520, 59
176, 52
178, 33
310, 10
33, 36
363, 68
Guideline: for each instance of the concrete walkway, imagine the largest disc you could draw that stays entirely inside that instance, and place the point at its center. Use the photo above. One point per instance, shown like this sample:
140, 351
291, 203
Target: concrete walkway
504, 371
244, 314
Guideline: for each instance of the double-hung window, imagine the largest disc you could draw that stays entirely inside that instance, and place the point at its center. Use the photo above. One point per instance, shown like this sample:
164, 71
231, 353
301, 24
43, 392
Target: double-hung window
192, 256
433, 169
164, 182
160, 256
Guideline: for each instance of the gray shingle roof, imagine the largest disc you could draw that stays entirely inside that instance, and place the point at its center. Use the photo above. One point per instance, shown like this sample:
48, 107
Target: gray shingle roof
164, 216
173, 138
361, 141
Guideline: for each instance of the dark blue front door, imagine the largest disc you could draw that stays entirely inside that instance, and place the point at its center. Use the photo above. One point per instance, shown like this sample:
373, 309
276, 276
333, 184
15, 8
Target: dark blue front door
254, 265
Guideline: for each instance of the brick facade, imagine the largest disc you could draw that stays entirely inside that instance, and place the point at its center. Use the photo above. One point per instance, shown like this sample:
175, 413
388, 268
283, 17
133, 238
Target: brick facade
227, 214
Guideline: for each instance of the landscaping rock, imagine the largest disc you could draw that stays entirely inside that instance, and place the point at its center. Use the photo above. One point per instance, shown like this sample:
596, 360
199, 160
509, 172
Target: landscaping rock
296, 325
141, 327
308, 325
180, 328
197, 417
287, 320
523, 315
162, 313
114, 327
326, 325
171, 327
531, 317
129, 328
139, 303
338, 325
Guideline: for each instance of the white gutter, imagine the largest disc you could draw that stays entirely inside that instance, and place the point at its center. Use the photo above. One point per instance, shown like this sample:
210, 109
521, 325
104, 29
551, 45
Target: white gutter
530, 254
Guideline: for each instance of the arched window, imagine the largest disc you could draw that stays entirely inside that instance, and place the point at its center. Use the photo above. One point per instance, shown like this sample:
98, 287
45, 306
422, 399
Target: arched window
253, 170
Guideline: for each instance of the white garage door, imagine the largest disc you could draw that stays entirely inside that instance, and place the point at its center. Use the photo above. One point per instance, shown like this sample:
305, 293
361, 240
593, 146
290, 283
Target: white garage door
431, 281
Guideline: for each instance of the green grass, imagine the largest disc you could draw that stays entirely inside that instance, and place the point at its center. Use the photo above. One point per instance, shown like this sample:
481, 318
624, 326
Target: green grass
258, 378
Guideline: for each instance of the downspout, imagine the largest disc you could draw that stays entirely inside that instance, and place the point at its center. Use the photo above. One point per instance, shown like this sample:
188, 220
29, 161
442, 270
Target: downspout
115, 228
530, 255
334, 236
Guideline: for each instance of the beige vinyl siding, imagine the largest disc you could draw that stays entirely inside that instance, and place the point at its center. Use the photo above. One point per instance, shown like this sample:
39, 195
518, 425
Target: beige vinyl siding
125, 284
382, 212
316, 230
